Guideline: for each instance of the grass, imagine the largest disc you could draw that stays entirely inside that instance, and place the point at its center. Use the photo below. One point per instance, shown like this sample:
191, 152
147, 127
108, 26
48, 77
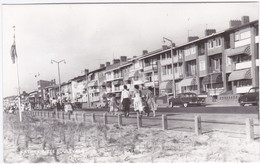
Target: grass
77, 142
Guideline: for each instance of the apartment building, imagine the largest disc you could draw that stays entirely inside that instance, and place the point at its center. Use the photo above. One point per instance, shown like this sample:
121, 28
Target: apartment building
96, 85
219, 64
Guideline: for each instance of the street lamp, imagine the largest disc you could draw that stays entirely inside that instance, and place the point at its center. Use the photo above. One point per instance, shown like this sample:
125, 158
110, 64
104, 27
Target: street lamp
58, 62
173, 74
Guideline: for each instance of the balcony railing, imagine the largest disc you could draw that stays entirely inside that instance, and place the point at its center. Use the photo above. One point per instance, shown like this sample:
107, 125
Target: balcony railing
151, 67
247, 64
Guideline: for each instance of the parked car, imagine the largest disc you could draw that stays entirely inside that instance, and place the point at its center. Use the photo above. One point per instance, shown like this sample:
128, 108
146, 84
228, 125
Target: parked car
186, 99
251, 97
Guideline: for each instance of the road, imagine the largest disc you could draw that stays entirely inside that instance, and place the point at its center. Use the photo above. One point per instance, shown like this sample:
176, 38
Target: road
238, 110
229, 109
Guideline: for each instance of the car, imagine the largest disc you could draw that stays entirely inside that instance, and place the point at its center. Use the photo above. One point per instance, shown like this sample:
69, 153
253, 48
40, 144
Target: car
251, 97
186, 99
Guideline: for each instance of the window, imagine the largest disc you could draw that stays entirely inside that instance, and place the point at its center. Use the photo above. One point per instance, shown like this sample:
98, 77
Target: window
228, 61
202, 65
169, 69
163, 56
164, 70
193, 50
168, 55
243, 83
242, 35
245, 35
211, 44
218, 42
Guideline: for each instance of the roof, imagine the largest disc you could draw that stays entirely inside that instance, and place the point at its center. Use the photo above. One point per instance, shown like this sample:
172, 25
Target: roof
78, 78
118, 65
97, 70
156, 52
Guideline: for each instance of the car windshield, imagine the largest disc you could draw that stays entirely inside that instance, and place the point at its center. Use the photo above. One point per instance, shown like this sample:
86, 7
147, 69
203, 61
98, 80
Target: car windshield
253, 90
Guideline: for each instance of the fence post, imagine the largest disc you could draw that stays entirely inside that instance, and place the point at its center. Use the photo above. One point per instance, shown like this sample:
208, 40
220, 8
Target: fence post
250, 129
139, 121
164, 122
120, 120
68, 116
105, 118
75, 117
62, 115
93, 117
83, 117
198, 125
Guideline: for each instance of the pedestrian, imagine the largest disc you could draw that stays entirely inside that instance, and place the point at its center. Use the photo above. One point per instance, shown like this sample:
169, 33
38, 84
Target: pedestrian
125, 100
150, 99
54, 105
113, 105
138, 106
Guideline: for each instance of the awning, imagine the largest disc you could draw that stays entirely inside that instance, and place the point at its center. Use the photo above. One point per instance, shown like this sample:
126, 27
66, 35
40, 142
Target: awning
166, 85
93, 83
188, 82
239, 50
212, 79
240, 74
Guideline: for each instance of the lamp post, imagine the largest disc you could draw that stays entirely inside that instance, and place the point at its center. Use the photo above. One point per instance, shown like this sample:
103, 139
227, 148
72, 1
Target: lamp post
173, 74
58, 62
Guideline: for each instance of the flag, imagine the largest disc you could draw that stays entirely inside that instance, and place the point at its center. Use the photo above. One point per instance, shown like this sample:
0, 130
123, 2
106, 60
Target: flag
13, 53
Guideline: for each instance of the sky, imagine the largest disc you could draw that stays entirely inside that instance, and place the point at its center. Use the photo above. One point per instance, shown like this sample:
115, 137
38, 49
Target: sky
87, 35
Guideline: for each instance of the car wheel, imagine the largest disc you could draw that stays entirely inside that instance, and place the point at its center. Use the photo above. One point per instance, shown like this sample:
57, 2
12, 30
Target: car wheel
185, 105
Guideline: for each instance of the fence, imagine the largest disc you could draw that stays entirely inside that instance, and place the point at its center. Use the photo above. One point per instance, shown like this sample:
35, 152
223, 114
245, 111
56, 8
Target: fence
249, 124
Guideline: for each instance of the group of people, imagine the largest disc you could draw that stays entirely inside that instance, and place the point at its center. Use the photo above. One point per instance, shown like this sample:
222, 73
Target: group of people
142, 103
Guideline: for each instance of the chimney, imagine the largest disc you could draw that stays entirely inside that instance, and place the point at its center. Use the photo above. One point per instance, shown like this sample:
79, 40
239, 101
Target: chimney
164, 47
102, 65
245, 19
234, 23
107, 64
123, 58
53, 82
145, 52
209, 32
116, 61
86, 71
192, 38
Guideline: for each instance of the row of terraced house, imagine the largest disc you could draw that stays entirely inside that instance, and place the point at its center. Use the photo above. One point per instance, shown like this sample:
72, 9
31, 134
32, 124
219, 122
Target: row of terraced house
221, 64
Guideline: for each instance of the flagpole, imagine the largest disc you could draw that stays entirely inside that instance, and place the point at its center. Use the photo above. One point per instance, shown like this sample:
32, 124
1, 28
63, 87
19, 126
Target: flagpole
18, 81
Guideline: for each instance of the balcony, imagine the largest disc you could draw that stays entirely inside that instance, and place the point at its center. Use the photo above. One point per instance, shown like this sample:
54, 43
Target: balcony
247, 64
215, 91
166, 61
178, 76
95, 99
243, 42
151, 68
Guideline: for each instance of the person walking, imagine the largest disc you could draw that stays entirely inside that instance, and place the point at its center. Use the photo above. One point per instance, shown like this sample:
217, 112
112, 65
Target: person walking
150, 99
138, 105
113, 105
125, 100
